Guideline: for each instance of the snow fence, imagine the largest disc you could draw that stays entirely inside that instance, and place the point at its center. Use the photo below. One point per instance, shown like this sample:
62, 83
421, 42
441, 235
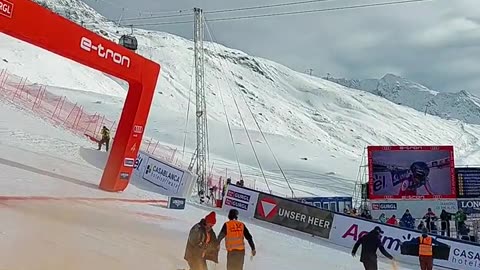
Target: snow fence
340, 229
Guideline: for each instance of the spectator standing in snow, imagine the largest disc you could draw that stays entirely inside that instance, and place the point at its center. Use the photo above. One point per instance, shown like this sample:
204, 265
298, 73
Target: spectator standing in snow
229, 181
425, 250
382, 218
234, 233
407, 221
202, 244
421, 225
370, 243
393, 221
430, 219
366, 214
105, 138
460, 219
445, 218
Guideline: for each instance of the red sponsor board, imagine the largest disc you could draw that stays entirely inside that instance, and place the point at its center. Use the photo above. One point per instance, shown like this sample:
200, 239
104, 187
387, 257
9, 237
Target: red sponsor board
6, 8
411, 172
88, 48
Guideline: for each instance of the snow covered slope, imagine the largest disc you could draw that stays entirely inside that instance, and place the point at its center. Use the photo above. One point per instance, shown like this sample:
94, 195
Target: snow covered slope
44, 228
318, 129
460, 105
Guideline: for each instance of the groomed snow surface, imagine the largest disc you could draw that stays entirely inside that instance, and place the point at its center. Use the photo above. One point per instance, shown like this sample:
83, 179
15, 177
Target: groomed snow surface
39, 160
318, 130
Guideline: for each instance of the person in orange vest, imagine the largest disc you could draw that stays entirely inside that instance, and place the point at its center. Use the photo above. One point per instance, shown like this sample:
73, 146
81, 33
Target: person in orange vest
234, 233
425, 250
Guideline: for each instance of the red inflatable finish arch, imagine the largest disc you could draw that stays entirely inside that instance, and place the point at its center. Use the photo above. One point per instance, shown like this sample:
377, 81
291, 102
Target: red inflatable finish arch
30, 22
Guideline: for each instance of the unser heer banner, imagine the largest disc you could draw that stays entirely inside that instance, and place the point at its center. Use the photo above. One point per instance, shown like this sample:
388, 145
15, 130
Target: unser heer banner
294, 215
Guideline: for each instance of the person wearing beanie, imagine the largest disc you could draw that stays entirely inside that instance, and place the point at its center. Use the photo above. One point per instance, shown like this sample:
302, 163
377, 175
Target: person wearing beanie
425, 250
202, 243
234, 233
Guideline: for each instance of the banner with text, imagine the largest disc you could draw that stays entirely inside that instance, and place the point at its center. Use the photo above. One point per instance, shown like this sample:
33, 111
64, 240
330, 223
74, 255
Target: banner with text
294, 215
242, 199
470, 207
417, 209
162, 177
347, 230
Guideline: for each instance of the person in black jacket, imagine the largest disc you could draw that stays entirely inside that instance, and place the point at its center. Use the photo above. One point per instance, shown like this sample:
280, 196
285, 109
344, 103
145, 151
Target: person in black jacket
445, 217
202, 244
370, 243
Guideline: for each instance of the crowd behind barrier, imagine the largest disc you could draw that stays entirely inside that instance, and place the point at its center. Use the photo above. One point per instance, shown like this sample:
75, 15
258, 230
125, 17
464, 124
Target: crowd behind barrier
456, 225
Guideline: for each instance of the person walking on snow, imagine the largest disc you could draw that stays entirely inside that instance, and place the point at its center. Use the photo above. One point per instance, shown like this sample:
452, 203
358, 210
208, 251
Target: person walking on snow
234, 233
425, 250
370, 243
105, 138
202, 244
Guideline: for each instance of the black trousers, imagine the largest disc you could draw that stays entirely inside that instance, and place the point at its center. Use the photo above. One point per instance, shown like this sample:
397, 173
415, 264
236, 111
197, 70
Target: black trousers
235, 259
105, 141
370, 264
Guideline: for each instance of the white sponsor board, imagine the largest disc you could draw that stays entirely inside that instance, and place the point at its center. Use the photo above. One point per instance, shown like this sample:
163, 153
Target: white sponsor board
347, 230
418, 209
164, 178
242, 199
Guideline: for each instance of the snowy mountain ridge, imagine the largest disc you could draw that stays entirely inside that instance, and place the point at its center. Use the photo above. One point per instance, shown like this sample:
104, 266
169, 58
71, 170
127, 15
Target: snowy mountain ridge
460, 105
318, 129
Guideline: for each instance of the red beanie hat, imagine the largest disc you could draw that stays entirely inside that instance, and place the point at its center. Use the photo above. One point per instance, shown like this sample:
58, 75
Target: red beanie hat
211, 218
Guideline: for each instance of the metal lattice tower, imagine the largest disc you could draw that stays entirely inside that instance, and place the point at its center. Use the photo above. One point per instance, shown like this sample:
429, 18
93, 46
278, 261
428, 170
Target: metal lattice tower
200, 104
360, 196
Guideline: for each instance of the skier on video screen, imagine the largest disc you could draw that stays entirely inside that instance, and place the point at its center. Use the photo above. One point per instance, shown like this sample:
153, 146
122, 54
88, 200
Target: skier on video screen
417, 178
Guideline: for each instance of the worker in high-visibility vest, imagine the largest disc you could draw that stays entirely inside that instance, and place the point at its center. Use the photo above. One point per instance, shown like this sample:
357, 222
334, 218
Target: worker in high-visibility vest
425, 250
234, 233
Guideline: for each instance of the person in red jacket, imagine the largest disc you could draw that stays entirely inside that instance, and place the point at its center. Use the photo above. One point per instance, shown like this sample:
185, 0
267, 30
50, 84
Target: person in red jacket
393, 221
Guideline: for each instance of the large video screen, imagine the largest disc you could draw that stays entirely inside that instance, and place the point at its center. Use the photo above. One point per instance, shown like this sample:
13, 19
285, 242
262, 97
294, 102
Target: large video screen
411, 172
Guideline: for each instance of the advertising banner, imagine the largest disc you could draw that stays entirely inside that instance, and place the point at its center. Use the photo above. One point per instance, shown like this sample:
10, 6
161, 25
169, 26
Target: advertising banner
242, 199
176, 203
470, 207
335, 204
294, 215
411, 172
417, 209
162, 177
347, 230
468, 182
